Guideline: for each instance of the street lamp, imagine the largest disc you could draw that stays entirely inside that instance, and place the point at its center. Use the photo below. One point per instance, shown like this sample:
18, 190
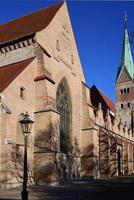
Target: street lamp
26, 124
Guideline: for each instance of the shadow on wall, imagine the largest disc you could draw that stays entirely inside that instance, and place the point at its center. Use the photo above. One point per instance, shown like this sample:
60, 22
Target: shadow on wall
109, 162
12, 166
43, 166
50, 163
13, 160
88, 162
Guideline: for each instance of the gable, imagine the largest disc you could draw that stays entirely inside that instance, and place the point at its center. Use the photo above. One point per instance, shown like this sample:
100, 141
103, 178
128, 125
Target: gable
98, 97
61, 42
123, 76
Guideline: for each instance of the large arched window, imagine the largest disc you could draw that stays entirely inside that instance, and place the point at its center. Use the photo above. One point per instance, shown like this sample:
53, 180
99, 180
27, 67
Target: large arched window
65, 109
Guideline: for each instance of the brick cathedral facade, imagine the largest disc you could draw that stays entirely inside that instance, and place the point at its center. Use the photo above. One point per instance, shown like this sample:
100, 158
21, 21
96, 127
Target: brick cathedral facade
78, 132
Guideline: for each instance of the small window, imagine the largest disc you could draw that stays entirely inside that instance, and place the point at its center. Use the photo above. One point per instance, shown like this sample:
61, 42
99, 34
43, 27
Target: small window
22, 92
72, 59
58, 45
128, 105
121, 105
124, 91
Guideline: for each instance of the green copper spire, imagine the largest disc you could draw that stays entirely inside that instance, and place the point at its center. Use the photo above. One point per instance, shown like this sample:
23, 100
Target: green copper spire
126, 58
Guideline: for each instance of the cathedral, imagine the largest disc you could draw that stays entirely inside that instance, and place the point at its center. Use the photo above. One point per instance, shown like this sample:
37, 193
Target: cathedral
78, 132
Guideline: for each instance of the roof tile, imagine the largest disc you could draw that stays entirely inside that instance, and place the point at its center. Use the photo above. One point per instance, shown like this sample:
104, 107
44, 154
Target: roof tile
9, 72
98, 97
28, 24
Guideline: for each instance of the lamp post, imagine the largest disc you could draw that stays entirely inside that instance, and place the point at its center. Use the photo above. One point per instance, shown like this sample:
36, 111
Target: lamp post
26, 124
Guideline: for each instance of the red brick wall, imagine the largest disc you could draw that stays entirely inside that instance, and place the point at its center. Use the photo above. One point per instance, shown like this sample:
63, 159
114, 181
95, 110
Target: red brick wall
124, 97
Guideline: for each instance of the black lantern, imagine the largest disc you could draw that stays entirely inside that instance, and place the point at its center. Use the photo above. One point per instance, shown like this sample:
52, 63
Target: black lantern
26, 124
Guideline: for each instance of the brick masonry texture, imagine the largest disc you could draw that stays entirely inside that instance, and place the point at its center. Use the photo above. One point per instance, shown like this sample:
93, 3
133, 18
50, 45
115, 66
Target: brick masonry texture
88, 125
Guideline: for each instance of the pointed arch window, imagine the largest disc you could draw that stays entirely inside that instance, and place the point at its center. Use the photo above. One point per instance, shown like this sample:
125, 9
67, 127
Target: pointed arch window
65, 109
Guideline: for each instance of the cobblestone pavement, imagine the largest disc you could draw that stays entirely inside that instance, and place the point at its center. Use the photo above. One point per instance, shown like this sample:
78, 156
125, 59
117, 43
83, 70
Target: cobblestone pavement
117, 188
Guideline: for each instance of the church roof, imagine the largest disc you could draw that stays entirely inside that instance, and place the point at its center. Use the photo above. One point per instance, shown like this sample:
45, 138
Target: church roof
98, 97
126, 58
9, 72
28, 24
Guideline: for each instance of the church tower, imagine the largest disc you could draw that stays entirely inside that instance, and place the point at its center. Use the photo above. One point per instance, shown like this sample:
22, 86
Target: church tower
125, 83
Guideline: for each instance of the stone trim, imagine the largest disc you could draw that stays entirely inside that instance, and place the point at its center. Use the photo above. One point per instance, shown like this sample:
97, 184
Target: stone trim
89, 128
56, 59
73, 74
91, 106
87, 156
115, 134
6, 109
44, 50
20, 144
17, 43
57, 152
85, 85
64, 62
47, 110
43, 77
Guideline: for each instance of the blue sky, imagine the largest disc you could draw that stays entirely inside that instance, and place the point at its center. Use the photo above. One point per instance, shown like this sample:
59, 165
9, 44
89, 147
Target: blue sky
98, 28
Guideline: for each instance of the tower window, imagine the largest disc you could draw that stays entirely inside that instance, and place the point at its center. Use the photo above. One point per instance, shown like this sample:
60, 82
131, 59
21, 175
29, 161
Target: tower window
22, 92
128, 104
121, 91
124, 91
121, 105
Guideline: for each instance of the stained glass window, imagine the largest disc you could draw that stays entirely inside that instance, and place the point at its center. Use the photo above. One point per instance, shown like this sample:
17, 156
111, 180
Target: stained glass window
65, 109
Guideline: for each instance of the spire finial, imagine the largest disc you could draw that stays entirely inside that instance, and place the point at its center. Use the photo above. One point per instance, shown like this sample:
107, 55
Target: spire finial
125, 18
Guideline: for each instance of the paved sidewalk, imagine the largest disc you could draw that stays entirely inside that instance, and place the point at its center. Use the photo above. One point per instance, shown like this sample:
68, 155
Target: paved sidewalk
102, 189
68, 191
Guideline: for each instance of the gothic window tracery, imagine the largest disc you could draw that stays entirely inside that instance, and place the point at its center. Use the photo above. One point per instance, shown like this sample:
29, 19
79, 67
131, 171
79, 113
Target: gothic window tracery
64, 107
